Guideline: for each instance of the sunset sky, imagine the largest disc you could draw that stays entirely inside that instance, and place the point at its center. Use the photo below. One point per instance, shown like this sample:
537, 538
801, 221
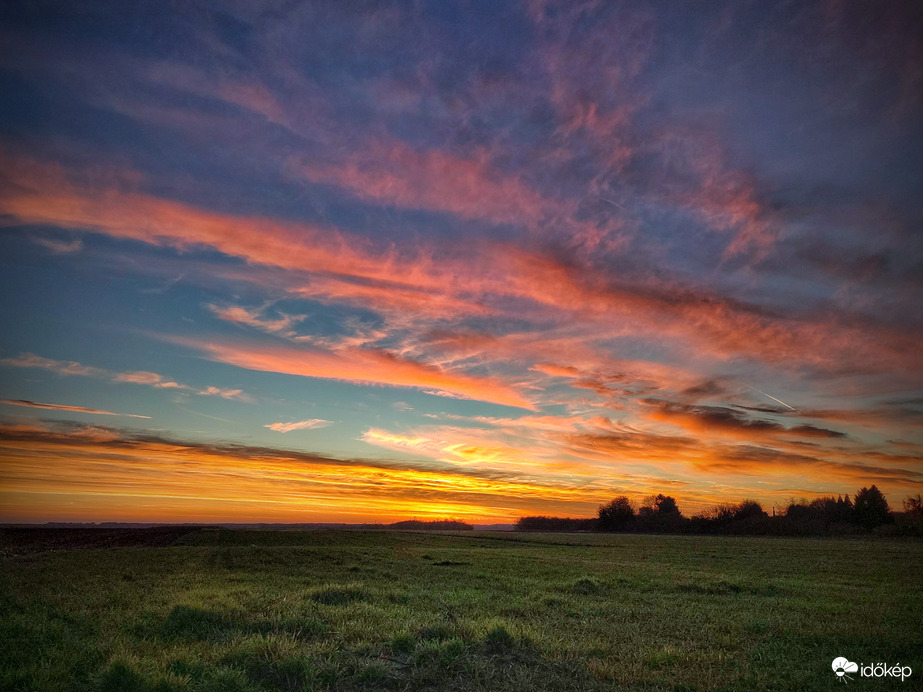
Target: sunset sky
355, 261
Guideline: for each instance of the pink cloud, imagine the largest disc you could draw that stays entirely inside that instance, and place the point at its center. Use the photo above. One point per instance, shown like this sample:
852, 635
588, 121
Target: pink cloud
487, 278
255, 318
394, 173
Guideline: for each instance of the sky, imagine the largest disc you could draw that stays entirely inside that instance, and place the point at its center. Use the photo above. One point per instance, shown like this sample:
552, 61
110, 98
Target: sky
287, 261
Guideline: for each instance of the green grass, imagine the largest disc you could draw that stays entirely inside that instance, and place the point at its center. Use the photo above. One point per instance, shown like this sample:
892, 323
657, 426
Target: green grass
350, 610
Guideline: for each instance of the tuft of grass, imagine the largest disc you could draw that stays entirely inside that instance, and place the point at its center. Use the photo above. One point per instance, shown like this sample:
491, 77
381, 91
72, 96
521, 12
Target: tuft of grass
404, 644
661, 658
586, 586
185, 623
340, 596
437, 632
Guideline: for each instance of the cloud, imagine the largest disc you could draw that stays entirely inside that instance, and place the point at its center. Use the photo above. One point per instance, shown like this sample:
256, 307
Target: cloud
254, 318
309, 424
358, 365
61, 367
134, 470
61, 247
141, 377
394, 173
489, 278
723, 420
553, 370
237, 394
149, 378
63, 407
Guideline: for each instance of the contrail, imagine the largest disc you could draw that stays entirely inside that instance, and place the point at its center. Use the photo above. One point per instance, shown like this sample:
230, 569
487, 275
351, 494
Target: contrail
204, 415
613, 203
771, 397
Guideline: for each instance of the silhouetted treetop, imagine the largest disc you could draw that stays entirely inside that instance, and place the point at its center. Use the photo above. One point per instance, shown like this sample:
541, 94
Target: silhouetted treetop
871, 508
616, 515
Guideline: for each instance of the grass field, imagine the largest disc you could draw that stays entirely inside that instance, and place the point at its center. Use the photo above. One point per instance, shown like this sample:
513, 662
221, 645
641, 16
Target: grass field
254, 610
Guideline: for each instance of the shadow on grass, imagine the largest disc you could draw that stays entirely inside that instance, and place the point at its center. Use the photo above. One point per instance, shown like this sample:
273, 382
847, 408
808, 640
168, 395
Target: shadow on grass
725, 588
39, 643
435, 658
187, 624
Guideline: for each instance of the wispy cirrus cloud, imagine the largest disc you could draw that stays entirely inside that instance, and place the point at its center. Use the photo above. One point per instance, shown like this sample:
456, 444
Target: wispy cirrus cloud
256, 319
65, 407
62, 367
141, 377
60, 247
224, 393
149, 378
393, 173
488, 275
310, 424
367, 366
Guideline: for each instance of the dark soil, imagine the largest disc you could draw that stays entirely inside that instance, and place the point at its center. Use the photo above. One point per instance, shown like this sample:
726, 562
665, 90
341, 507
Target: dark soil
26, 540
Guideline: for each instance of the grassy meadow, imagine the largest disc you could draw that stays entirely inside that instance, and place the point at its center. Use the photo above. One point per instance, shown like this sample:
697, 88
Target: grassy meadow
364, 610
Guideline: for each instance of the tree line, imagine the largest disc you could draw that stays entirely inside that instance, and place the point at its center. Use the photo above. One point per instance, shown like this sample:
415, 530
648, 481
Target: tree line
866, 512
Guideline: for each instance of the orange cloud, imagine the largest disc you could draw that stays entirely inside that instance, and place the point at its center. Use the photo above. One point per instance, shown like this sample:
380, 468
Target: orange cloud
365, 366
119, 477
254, 318
309, 424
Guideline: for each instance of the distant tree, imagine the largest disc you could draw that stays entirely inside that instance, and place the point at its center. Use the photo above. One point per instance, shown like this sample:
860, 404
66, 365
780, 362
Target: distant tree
913, 515
913, 505
748, 510
665, 506
617, 515
822, 515
746, 517
844, 510
660, 513
870, 508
